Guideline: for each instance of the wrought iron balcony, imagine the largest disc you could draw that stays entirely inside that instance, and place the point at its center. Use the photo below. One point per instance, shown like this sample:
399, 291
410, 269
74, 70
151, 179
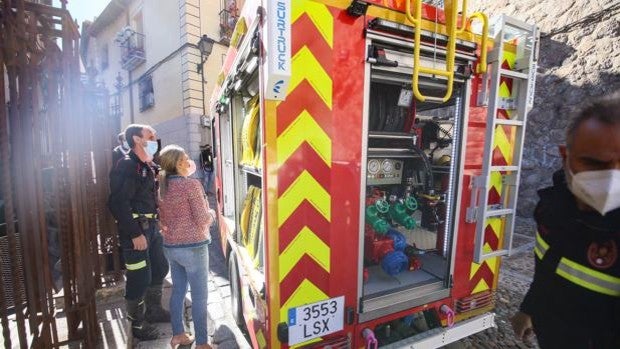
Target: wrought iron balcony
228, 19
132, 48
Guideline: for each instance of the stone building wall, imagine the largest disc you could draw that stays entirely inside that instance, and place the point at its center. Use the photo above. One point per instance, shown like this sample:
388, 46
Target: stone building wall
579, 60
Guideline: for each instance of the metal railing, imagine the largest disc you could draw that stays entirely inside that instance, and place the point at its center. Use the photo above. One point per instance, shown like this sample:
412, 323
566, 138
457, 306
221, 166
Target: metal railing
229, 15
132, 48
53, 182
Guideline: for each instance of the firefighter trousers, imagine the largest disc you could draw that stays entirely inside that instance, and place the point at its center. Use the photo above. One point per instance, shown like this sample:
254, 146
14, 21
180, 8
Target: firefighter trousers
145, 268
553, 332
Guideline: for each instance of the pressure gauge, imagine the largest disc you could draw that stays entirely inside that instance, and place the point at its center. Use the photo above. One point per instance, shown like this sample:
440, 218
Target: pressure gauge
387, 166
373, 166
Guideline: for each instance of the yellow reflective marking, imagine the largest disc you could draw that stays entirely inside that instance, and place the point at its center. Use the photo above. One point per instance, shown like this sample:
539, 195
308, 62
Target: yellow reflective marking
260, 338
496, 181
539, 254
135, 266
240, 29
305, 187
480, 286
486, 248
306, 242
509, 57
496, 225
542, 242
503, 90
474, 269
306, 67
591, 272
503, 143
304, 129
493, 263
306, 293
320, 16
594, 287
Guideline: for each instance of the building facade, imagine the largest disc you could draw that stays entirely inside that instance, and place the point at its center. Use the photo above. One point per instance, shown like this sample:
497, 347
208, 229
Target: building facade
145, 53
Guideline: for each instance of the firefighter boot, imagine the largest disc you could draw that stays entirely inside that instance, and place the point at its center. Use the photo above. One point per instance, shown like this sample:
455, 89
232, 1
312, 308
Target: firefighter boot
140, 329
154, 310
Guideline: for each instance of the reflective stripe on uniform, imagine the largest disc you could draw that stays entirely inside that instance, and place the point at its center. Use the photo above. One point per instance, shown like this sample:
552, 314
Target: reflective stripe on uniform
588, 278
136, 266
541, 246
147, 215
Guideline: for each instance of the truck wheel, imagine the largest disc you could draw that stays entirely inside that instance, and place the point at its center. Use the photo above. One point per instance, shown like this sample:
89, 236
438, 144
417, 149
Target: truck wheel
236, 307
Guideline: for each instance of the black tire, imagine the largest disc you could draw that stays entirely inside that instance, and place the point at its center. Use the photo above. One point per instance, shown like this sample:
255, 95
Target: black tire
236, 307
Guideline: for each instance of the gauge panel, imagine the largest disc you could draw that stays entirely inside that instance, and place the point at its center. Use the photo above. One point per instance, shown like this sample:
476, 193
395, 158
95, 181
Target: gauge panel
382, 171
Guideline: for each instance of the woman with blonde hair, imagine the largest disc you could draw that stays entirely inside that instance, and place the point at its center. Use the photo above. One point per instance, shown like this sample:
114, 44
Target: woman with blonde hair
185, 218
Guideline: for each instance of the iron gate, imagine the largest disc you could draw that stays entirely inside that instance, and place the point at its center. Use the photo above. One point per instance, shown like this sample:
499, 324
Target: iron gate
55, 152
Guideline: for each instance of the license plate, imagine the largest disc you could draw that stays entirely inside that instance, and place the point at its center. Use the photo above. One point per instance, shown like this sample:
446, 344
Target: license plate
315, 320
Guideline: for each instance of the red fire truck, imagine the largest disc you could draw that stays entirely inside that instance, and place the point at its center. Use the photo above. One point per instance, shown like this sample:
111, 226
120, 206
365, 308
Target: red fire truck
368, 159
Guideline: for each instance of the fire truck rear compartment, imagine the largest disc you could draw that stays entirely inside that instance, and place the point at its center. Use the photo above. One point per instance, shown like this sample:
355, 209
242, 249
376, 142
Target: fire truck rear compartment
412, 156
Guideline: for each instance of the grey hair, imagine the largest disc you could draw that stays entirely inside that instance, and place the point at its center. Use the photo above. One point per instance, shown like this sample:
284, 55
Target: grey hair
605, 110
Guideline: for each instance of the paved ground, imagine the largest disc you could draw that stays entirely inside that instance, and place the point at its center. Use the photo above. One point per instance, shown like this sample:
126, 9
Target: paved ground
515, 277
223, 332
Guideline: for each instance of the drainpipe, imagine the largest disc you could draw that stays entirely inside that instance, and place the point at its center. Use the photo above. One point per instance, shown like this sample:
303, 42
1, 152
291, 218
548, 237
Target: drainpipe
130, 85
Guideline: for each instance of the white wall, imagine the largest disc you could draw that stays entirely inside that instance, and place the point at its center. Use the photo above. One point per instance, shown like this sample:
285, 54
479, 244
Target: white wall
179, 100
209, 12
161, 30
160, 19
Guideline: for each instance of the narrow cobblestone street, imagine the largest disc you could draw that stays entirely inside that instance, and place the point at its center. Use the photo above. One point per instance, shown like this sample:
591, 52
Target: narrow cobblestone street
223, 331
515, 277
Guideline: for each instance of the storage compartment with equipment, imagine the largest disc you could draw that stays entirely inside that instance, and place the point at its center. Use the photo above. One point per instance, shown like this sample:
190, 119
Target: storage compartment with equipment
411, 173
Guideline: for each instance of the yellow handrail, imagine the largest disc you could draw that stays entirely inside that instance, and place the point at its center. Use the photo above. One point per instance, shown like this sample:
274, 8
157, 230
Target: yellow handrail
451, 16
482, 65
463, 26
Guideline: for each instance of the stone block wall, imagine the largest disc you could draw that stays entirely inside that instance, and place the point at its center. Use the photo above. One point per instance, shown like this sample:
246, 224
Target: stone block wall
579, 60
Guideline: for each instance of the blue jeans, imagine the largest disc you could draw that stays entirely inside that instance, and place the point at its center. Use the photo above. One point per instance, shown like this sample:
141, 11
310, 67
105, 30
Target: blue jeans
189, 265
207, 181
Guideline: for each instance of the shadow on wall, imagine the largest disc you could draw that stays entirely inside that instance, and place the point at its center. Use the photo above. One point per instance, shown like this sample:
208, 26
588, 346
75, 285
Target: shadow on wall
566, 80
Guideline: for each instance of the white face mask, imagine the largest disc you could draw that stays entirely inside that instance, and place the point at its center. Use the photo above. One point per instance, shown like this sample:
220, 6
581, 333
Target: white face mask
192, 168
598, 189
151, 148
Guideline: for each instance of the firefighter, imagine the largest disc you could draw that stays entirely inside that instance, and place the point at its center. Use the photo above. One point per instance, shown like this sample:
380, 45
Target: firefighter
133, 202
121, 149
574, 299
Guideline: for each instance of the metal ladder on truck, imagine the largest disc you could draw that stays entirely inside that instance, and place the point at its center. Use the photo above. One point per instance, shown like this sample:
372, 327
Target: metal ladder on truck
510, 96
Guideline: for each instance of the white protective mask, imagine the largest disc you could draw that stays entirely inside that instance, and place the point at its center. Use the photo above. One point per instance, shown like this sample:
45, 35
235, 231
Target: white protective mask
151, 148
192, 168
598, 189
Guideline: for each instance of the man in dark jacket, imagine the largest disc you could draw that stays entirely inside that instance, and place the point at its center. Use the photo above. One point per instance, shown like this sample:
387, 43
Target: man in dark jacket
121, 149
574, 299
133, 202
206, 161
